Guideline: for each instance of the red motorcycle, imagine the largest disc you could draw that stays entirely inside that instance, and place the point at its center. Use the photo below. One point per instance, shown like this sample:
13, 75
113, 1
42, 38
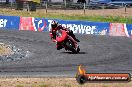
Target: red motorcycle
66, 41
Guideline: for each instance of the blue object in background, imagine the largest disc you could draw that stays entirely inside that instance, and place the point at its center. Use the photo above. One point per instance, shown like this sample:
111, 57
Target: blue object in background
40, 24
9, 22
84, 27
44, 25
101, 1
129, 29
121, 0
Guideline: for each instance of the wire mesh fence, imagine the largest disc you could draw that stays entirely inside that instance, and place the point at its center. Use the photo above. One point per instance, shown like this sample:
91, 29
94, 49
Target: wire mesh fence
60, 4
69, 6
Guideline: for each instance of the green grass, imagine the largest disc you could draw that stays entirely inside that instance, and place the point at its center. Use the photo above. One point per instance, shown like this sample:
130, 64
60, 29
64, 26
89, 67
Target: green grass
44, 85
105, 86
66, 85
19, 86
97, 18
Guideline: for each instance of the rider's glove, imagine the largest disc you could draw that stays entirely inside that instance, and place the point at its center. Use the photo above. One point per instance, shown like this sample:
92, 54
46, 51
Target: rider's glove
51, 35
54, 40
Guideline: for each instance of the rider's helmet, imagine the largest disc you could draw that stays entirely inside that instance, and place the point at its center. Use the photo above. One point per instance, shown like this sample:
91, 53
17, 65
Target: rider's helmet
54, 24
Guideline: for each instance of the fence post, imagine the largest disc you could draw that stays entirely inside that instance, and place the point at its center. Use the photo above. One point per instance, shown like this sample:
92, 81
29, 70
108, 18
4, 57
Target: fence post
28, 8
125, 8
65, 3
84, 7
46, 6
11, 4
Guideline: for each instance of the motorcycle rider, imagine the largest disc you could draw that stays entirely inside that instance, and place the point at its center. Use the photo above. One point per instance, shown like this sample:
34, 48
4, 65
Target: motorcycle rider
54, 27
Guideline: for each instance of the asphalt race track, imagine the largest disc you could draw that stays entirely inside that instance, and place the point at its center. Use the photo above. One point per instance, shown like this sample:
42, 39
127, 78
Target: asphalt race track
99, 54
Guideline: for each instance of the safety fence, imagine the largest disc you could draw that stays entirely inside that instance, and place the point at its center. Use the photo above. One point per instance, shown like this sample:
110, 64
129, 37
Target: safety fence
80, 27
61, 4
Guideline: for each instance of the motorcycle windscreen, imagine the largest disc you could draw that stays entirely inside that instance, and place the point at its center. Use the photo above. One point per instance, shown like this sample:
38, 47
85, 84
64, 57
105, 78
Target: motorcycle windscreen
62, 37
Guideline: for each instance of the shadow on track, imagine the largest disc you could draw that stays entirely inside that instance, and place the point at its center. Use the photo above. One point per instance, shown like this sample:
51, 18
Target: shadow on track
74, 53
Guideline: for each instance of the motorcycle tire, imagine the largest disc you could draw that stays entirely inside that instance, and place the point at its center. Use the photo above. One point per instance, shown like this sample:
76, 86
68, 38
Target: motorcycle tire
81, 79
70, 46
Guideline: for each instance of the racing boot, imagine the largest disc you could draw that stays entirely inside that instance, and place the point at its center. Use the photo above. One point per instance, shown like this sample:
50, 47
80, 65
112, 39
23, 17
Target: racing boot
58, 46
73, 36
77, 40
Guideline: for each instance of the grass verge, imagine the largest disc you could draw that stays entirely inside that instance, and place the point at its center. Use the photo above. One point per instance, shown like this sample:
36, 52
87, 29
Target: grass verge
65, 16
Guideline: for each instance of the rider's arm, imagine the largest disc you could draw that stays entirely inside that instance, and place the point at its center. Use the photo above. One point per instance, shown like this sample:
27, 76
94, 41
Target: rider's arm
60, 27
51, 35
